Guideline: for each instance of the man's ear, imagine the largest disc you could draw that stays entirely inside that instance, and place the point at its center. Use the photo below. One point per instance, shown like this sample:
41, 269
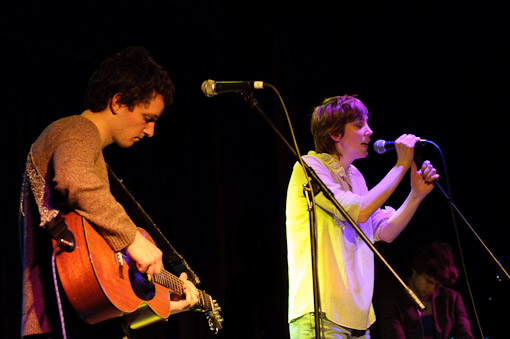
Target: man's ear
116, 103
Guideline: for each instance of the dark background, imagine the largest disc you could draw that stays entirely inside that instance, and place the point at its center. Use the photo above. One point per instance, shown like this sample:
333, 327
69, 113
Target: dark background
214, 176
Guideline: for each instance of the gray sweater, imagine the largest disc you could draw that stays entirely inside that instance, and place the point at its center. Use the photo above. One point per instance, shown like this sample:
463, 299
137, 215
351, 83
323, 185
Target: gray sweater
68, 156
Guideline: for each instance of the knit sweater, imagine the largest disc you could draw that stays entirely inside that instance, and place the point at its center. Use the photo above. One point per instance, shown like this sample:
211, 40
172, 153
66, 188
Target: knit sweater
68, 155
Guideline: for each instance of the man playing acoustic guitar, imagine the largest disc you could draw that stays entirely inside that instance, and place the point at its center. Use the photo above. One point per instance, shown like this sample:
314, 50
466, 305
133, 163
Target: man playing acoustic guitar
66, 172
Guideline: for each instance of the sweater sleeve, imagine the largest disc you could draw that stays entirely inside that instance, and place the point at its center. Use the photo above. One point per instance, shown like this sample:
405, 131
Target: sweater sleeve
80, 180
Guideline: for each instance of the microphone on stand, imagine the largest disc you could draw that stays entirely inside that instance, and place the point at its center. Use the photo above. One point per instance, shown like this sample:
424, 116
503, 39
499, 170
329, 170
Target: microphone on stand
211, 88
382, 146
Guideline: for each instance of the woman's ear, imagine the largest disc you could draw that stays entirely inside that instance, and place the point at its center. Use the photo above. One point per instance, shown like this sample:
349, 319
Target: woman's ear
336, 138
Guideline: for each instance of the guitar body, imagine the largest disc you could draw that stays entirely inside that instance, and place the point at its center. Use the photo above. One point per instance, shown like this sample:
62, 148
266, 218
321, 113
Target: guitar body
102, 284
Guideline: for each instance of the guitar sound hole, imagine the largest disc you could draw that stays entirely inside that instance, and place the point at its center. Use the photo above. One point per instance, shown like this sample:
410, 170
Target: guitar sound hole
143, 288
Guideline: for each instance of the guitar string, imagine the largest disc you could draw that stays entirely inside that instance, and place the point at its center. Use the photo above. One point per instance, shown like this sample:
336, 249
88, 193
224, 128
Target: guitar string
178, 286
204, 300
169, 280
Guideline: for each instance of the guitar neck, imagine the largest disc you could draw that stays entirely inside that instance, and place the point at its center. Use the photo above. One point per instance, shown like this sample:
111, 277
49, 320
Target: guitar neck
170, 281
176, 285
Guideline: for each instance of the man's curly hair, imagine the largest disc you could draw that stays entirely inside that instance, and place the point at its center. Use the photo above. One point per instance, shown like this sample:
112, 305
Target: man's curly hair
132, 74
437, 260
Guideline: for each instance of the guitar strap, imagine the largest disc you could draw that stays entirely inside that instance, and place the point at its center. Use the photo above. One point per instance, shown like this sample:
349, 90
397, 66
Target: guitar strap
51, 219
135, 211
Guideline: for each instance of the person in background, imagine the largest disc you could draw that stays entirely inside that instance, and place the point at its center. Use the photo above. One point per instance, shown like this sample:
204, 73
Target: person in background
444, 317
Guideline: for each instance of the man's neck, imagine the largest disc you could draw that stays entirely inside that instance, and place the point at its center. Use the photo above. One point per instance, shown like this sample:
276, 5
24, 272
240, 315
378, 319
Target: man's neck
100, 120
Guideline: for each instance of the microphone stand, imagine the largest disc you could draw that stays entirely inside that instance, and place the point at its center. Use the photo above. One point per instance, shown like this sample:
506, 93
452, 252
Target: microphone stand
253, 102
308, 192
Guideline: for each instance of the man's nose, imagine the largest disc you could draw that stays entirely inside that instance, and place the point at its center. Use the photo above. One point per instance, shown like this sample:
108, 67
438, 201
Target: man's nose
149, 130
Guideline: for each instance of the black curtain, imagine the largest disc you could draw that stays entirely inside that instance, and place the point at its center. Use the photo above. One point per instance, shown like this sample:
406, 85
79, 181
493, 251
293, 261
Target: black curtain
214, 176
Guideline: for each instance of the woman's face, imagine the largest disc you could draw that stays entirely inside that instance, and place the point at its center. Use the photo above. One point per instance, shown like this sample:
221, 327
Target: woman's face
354, 143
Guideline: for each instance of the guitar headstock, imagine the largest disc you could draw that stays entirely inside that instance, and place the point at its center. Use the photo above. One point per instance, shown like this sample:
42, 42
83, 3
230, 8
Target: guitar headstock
214, 317
212, 311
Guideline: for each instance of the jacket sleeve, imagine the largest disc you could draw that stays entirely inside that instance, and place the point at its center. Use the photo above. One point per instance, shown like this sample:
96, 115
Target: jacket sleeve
389, 317
461, 327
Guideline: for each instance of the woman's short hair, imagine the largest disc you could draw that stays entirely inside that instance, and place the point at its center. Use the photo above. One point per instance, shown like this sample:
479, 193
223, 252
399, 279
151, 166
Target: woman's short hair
330, 117
132, 74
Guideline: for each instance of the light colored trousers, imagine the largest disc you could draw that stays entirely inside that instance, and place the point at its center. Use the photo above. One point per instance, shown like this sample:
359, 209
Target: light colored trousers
304, 328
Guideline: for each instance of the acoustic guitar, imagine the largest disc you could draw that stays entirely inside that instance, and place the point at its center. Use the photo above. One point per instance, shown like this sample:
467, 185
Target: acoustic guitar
102, 284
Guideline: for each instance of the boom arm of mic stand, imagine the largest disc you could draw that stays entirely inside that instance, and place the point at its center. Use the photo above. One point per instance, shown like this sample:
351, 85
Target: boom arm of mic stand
447, 197
327, 193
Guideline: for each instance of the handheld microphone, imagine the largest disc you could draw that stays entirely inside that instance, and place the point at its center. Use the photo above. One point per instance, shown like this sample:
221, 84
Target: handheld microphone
211, 88
382, 146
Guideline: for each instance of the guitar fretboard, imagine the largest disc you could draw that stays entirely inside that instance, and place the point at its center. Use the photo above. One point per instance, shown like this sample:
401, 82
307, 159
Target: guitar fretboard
176, 285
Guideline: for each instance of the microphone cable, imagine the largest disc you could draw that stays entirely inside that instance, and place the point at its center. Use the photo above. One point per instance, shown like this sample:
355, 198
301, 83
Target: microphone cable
459, 243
